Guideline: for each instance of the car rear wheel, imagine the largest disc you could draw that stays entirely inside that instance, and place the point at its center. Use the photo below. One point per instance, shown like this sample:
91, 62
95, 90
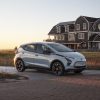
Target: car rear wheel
57, 68
20, 65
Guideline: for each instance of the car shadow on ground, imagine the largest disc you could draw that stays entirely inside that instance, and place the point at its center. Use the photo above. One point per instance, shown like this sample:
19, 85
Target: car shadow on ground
47, 72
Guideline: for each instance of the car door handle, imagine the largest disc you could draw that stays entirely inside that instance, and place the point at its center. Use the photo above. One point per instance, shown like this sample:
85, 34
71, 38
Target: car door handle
36, 54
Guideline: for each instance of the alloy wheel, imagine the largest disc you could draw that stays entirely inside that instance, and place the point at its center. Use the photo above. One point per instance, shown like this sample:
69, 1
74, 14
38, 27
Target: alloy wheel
57, 68
20, 65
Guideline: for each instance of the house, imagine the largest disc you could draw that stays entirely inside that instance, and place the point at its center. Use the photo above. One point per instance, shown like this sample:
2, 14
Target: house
84, 33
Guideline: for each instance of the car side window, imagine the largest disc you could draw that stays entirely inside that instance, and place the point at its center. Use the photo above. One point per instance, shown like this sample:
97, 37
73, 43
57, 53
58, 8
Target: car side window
41, 48
45, 48
30, 47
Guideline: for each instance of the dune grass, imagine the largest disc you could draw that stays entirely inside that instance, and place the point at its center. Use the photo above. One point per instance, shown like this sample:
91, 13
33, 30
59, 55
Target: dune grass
93, 58
6, 57
7, 76
91, 54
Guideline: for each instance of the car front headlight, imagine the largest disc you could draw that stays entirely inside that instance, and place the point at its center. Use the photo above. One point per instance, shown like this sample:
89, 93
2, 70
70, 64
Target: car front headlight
69, 61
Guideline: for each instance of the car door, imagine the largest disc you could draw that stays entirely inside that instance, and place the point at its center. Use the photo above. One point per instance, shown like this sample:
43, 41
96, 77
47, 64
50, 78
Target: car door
43, 59
30, 55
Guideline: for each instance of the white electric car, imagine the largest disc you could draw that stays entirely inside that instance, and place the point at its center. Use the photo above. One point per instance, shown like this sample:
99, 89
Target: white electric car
49, 55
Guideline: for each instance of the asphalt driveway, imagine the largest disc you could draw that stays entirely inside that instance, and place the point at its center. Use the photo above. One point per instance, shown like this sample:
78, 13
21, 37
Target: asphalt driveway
34, 74
42, 85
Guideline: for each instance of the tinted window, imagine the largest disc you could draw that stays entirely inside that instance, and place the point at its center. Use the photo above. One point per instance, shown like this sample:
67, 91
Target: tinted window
30, 47
41, 48
60, 47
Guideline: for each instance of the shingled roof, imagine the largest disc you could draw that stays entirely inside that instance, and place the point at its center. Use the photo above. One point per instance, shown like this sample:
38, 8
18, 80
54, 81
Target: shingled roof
53, 30
66, 23
91, 19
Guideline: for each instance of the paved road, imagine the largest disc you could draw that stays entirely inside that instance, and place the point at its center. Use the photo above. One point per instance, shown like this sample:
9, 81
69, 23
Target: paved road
45, 86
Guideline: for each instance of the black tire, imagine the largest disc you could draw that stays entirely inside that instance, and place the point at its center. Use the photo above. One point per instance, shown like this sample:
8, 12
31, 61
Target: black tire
20, 65
77, 71
57, 68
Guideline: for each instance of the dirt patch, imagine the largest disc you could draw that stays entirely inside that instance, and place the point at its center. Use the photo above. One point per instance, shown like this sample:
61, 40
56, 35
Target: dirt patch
5, 77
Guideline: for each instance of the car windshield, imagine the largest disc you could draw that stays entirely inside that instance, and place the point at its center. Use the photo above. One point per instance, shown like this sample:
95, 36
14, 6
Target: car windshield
60, 47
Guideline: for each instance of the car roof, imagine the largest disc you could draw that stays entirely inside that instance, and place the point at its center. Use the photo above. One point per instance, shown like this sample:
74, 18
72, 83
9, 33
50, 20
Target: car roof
38, 43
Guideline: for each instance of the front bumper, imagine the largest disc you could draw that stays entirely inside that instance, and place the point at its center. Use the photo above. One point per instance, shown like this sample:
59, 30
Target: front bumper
79, 65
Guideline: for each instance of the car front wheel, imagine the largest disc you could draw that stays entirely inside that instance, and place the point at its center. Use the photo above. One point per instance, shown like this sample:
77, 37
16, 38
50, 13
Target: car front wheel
57, 68
20, 65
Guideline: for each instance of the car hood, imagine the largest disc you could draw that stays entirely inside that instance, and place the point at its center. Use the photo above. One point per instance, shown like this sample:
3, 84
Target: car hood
74, 55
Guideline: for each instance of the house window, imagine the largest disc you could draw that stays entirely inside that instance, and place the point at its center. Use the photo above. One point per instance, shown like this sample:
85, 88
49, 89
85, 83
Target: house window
62, 29
58, 28
84, 26
80, 35
59, 37
52, 37
67, 28
62, 37
78, 27
71, 37
56, 37
99, 27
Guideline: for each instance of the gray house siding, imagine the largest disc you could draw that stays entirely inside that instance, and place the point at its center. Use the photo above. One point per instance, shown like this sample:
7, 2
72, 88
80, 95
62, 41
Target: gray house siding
96, 26
80, 21
84, 33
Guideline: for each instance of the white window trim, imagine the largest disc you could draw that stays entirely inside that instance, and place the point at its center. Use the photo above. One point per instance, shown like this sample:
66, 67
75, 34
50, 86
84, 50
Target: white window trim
65, 28
56, 37
84, 26
80, 35
71, 37
77, 27
58, 28
99, 26
62, 37
59, 37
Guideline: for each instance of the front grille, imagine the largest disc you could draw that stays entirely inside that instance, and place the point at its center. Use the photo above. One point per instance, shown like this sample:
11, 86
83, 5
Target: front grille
80, 63
78, 67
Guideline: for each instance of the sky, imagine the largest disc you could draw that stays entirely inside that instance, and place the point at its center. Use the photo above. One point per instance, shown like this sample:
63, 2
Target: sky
24, 21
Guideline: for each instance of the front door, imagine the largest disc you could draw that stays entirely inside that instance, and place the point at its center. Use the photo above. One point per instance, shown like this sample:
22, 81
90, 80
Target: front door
42, 59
